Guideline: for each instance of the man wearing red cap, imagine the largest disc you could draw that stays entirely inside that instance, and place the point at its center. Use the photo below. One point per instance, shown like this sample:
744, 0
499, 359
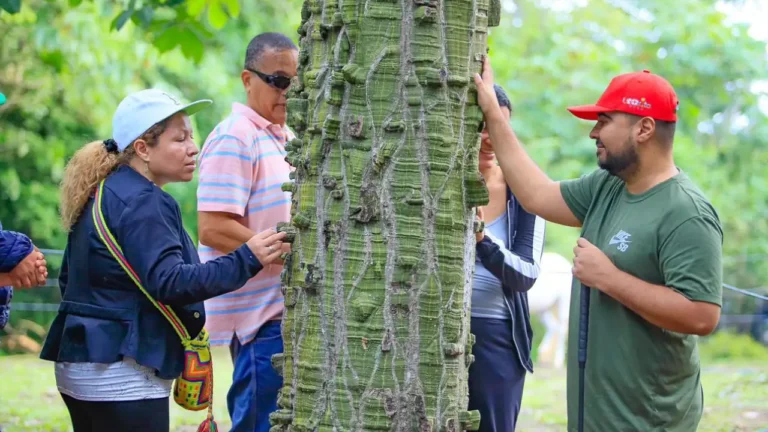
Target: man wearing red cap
650, 251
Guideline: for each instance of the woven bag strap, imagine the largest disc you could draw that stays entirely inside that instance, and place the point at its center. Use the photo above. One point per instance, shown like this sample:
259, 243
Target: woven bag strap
114, 248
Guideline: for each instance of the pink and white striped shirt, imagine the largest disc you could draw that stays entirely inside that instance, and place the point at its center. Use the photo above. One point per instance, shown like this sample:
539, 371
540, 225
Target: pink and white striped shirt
242, 167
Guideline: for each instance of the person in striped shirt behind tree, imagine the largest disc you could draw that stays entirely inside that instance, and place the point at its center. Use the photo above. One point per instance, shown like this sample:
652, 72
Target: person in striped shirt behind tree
242, 168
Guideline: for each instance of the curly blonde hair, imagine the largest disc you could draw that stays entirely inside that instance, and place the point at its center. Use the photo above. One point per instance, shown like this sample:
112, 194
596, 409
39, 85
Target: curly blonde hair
88, 167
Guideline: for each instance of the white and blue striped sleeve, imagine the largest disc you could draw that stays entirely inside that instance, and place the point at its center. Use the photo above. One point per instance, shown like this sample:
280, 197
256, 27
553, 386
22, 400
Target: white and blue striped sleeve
519, 266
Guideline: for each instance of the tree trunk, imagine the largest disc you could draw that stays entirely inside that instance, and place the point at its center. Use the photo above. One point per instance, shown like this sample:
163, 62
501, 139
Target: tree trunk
377, 288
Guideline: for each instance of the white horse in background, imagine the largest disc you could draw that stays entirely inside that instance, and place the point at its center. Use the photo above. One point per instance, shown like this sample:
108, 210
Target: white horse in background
550, 298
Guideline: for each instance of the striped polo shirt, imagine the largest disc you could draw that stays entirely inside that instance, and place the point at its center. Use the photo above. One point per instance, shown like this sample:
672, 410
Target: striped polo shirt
242, 167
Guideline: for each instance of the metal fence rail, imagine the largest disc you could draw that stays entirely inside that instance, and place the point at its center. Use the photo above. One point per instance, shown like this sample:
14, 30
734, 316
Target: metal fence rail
53, 307
745, 292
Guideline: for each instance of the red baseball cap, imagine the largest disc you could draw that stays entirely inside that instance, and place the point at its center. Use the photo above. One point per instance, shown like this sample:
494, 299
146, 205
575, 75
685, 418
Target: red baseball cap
640, 93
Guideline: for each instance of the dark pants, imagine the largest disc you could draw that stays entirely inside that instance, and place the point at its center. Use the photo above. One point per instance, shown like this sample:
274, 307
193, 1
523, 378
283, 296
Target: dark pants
147, 415
496, 377
255, 384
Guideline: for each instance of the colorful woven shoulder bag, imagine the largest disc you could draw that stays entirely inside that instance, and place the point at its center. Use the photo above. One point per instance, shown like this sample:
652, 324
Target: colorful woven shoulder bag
193, 389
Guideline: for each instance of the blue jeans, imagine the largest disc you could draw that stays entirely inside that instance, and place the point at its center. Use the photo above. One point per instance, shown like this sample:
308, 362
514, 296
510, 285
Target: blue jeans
496, 378
255, 384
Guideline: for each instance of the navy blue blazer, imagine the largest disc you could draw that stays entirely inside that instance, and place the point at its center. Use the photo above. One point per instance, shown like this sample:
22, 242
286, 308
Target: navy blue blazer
517, 268
103, 316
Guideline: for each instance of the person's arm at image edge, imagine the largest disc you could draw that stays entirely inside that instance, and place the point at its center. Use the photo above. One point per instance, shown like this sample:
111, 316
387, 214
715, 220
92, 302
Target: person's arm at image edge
20, 261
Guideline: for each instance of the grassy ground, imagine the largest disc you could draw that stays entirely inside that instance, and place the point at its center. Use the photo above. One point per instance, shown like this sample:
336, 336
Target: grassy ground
736, 394
30, 402
735, 397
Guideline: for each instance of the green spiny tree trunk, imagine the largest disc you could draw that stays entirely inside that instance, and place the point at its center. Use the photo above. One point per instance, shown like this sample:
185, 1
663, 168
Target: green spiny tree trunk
377, 288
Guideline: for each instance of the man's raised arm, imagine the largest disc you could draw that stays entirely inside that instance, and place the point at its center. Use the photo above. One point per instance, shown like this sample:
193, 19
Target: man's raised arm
536, 192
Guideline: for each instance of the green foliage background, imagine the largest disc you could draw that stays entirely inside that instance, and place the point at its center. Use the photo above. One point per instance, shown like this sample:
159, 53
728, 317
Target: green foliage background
64, 66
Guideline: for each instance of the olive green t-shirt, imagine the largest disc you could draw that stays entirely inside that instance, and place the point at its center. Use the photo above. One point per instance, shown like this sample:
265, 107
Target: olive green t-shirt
640, 377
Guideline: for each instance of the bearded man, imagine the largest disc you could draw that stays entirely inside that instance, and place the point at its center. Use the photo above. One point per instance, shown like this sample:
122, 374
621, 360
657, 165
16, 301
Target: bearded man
650, 252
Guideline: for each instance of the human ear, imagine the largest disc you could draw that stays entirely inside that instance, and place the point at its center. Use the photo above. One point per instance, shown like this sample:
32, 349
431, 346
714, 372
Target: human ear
142, 149
245, 76
645, 129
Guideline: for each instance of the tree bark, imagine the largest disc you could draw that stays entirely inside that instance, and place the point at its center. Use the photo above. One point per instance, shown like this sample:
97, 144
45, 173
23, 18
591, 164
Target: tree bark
377, 287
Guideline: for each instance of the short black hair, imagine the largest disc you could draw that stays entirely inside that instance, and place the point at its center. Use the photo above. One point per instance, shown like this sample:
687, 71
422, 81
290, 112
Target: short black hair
264, 42
502, 97
665, 130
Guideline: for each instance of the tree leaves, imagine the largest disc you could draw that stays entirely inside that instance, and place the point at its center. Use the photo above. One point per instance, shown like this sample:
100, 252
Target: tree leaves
121, 19
217, 16
192, 37
219, 11
186, 29
232, 6
184, 36
144, 16
168, 39
10, 6
192, 46
195, 8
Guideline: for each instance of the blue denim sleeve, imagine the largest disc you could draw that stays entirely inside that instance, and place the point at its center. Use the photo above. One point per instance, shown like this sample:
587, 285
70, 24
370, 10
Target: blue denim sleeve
149, 232
6, 294
14, 247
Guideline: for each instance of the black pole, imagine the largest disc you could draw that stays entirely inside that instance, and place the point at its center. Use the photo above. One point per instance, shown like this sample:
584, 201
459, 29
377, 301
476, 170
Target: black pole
583, 333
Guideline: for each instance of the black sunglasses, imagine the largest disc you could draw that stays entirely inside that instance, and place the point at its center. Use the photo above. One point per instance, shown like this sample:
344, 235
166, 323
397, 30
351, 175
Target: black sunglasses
277, 81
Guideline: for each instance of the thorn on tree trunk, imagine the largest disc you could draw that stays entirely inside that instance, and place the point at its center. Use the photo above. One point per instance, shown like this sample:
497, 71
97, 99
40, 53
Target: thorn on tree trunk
277, 363
453, 350
386, 342
470, 420
450, 425
356, 127
329, 182
302, 219
288, 229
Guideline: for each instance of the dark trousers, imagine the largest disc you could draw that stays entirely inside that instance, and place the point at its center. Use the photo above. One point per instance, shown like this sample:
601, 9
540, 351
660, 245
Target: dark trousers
147, 415
496, 377
255, 383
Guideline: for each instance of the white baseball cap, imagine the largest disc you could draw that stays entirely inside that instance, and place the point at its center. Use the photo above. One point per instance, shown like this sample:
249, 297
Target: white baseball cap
141, 110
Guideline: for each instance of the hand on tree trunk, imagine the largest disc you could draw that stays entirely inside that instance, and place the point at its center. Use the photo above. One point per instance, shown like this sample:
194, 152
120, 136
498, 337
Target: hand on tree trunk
267, 246
479, 236
486, 95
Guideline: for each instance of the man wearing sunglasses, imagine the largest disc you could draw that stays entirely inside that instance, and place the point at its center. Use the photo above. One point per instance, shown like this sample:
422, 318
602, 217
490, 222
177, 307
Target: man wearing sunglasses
242, 167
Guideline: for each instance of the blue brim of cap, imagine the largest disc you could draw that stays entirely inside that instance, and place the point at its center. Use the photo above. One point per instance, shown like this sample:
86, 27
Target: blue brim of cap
195, 107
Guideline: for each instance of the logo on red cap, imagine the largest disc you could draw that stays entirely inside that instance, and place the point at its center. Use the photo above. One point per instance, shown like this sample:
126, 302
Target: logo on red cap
639, 93
637, 103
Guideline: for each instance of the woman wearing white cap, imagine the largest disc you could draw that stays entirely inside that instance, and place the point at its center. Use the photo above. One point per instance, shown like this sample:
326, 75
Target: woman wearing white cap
116, 354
